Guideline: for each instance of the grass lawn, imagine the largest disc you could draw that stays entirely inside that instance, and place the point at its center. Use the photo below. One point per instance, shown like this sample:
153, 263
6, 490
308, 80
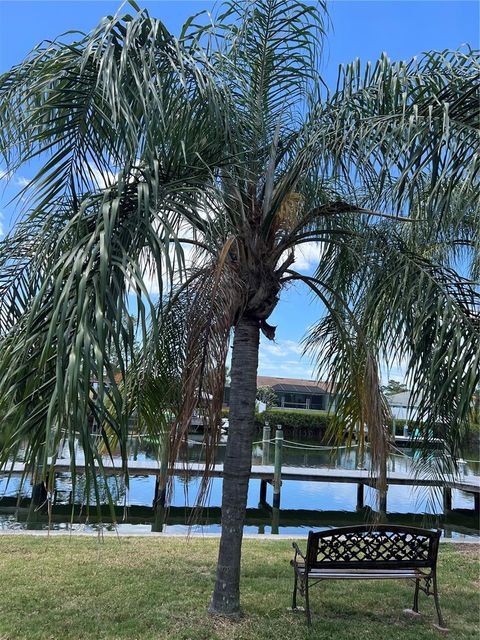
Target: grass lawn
61, 588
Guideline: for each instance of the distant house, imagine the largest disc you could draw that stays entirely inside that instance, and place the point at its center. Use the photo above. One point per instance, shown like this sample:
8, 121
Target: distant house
400, 406
295, 393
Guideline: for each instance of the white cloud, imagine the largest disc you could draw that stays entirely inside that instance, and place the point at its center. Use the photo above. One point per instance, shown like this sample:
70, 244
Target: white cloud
103, 179
292, 346
282, 348
393, 372
2, 228
272, 348
151, 283
307, 256
191, 257
284, 358
19, 181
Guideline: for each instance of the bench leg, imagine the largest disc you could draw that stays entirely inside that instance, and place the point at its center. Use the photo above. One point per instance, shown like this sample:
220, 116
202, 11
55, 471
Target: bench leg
294, 597
441, 622
307, 604
415, 597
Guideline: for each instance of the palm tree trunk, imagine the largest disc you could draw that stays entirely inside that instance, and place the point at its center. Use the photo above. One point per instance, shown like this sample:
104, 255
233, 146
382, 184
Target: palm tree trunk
236, 470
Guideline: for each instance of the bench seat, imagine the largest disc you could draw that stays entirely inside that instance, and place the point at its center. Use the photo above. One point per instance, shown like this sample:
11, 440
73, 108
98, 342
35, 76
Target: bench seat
359, 574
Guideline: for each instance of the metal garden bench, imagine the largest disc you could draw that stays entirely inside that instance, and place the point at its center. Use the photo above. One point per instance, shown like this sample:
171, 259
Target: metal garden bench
380, 552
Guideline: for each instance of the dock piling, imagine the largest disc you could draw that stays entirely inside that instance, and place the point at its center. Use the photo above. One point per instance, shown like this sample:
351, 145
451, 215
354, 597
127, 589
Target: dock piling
447, 499
263, 493
360, 496
266, 443
161, 479
277, 471
382, 502
275, 520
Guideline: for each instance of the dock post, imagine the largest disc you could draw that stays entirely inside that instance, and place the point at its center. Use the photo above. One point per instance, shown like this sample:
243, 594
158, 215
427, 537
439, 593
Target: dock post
266, 443
382, 502
382, 489
38, 498
158, 521
476, 503
39, 494
159, 499
263, 492
277, 473
447, 499
275, 520
161, 479
360, 496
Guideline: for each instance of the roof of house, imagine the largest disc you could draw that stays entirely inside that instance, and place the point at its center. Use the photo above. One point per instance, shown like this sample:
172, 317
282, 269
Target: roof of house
401, 399
293, 385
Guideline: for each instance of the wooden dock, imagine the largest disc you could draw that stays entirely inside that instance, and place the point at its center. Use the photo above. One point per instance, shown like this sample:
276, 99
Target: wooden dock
266, 474
470, 484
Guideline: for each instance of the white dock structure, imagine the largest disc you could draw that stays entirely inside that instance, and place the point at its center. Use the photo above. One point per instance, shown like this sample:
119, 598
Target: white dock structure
266, 474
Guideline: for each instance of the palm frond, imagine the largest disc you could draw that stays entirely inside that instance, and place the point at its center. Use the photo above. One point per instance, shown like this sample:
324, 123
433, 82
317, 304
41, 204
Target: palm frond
405, 133
400, 307
180, 371
128, 118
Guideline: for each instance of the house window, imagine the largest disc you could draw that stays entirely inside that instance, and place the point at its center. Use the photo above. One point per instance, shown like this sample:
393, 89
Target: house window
295, 400
317, 402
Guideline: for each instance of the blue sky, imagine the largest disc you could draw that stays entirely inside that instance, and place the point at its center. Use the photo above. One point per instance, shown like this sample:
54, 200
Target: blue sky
359, 28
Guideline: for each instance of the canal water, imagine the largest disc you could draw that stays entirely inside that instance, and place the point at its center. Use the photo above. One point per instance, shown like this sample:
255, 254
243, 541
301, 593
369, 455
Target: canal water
304, 505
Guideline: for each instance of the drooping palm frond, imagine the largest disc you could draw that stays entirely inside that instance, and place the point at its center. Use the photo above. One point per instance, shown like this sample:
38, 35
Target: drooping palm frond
405, 134
124, 96
126, 115
401, 307
268, 52
179, 373
394, 151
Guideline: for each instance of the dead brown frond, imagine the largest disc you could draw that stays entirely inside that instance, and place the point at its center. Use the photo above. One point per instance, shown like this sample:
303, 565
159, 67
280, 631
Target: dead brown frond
213, 301
376, 412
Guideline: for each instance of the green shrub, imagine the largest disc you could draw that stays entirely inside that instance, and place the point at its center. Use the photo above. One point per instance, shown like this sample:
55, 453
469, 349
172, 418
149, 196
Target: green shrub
301, 419
291, 420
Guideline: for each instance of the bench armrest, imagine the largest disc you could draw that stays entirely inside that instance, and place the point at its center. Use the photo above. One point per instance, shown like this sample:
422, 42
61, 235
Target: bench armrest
298, 552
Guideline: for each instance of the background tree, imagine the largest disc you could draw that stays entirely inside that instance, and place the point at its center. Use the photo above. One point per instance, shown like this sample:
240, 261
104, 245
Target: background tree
206, 161
393, 387
268, 396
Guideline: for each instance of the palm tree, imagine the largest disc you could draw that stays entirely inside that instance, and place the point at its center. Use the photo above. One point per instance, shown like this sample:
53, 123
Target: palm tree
204, 162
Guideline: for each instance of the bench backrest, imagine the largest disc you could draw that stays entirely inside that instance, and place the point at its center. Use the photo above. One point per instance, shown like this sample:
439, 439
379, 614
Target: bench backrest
373, 546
